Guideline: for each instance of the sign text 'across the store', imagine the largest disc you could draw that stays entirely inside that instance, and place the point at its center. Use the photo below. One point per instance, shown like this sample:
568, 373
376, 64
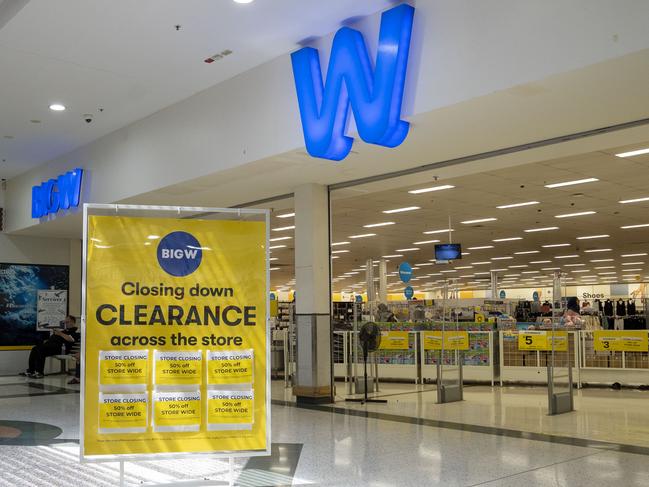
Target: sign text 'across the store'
53, 195
375, 95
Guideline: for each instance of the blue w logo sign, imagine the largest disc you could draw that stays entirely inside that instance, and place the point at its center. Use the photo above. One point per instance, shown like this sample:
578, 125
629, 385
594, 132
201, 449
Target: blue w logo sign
375, 95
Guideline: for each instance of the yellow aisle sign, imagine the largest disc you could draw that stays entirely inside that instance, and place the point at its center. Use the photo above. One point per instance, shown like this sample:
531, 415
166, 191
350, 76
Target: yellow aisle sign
394, 340
621, 341
163, 296
230, 367
453, 340
542, 340
176, 411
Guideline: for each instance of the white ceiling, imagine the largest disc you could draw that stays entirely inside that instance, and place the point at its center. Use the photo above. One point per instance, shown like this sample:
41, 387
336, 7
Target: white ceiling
476, 197
127, 58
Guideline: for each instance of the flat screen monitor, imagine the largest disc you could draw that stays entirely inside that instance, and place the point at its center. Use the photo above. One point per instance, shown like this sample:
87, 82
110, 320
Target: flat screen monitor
448, 252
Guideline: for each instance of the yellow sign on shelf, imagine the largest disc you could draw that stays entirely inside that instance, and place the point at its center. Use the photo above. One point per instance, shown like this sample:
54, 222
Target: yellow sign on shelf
450, 340
543, 340
621, 341
394, 340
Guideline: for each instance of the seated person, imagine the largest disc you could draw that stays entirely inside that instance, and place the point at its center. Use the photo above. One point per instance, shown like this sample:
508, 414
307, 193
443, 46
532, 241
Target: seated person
52, 346
77, 369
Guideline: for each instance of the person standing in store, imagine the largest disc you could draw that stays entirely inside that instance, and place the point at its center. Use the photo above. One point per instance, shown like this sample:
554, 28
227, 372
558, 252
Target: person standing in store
60, 341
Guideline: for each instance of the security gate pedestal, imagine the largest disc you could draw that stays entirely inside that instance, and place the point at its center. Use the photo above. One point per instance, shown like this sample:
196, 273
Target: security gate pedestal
451, 391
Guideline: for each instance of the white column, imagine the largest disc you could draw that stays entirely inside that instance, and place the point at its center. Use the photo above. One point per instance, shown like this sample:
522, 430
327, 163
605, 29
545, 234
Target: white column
313, 300
383, 281
494, 285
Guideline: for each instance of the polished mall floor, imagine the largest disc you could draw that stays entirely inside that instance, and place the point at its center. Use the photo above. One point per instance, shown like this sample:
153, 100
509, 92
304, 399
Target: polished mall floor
507, 440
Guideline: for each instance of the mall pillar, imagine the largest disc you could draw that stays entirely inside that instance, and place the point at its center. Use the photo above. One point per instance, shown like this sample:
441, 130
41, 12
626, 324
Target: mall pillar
370, 289
494, 285
313, 378
383, 281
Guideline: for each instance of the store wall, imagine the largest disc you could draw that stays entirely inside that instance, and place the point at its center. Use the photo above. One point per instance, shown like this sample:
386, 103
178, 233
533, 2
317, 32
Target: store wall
461, 50
32, 250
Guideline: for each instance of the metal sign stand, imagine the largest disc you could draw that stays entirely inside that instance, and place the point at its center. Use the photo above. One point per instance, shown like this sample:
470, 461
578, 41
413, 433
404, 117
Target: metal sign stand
231, 475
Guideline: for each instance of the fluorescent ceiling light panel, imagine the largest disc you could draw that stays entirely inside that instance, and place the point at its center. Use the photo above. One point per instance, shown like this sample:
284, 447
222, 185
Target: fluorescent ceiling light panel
286, 215
574, 256
551, 268
581, 270
575, 265
392, 256
580, 213
339, 251
481, 220
605, 267
482, 247
412, 249
425, 242
602, 260
552, 246
540, 262
501, 258
526, 252
530, 272
633, 263
606, 273
336, 244
637, 152
382, 224
401, 210
277, 247
433, 188
518, 266
635, 200
432, 232
594, 251
281, 229
363, 235
543, 229
480, 263
518, 205
571, 183
641, 254
590, 237
279, 239
509, 239
628, 227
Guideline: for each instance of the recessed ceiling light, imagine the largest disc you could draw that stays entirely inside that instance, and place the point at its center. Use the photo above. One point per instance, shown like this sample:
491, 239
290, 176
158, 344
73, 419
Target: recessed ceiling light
286, 215
448, 271
606, 273
641, 254
580, 270
57, 107
517, 266
432, 232
433, 188
274, 269
574, 256
502, 258
517, 205
605, 267
281, 229
382, 224
277, 247
273, 258
336, 244
602, 260
551, 246
465, 267
571, 183
482, 247
590, 237
543, 229
481, 263
411, 249
425, 242
481, 220
540, 262
551, 268
279, 239
338, 251
635, 200
401, 210
243, 1
628, 227
509, 239
527, 252
595, 251
530, 272
363, 235
632, 153
575, 265
581, 213
632, 263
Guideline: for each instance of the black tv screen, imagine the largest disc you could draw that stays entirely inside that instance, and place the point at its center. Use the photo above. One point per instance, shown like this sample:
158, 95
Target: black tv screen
448, 252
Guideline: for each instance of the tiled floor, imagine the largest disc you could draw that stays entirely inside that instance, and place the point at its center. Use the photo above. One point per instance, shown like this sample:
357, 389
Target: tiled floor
319, 447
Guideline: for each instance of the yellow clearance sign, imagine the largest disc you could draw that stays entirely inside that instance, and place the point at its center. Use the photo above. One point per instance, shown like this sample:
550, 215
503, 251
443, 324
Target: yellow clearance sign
394, 340
621, 341
449, 340
542, 340
175, 354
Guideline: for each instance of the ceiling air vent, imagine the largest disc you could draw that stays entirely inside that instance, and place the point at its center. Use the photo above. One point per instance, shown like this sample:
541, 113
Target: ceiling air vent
218, 56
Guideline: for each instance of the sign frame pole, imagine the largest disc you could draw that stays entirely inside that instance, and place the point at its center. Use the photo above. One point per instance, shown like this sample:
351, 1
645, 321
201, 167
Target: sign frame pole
178, 210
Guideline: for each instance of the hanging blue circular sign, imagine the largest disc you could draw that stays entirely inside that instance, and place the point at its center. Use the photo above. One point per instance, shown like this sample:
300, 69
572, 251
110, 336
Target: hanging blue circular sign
359, 298
503, 294
405, 272
409, 292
